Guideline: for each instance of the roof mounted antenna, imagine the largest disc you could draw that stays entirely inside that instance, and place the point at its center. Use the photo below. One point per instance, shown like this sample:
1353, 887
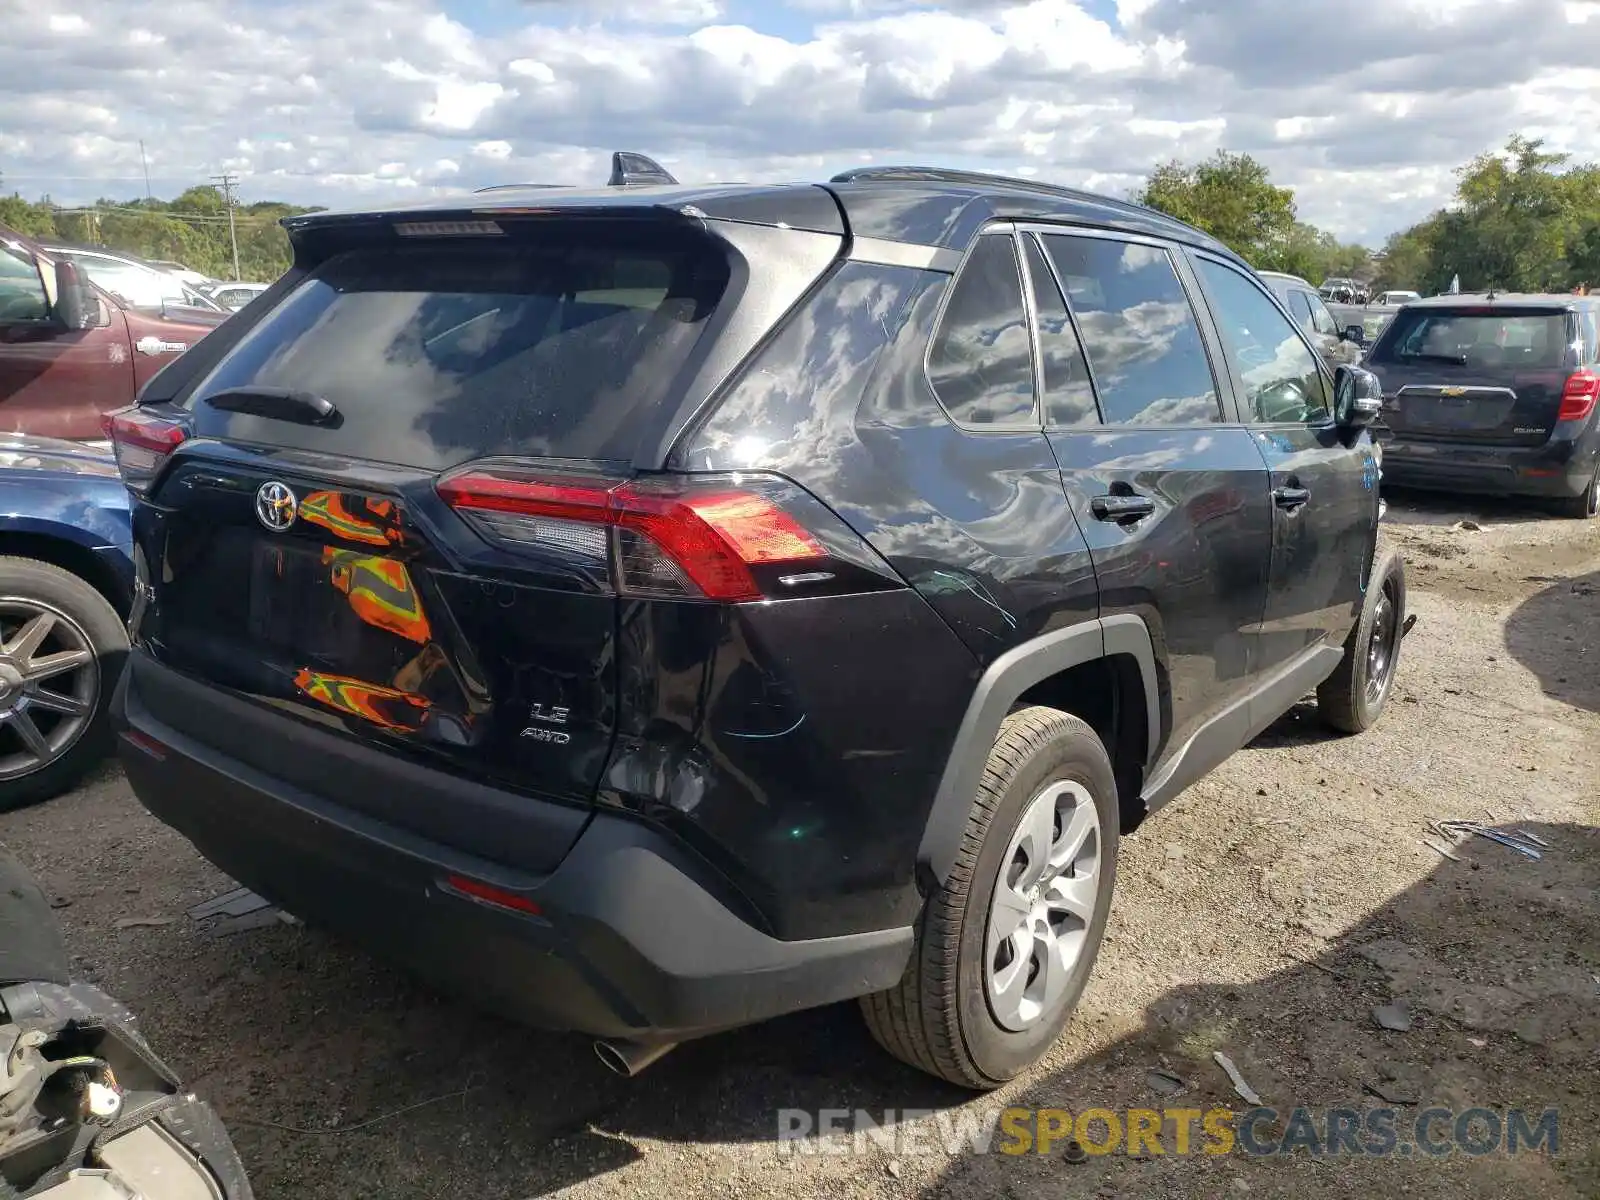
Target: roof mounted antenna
633, 170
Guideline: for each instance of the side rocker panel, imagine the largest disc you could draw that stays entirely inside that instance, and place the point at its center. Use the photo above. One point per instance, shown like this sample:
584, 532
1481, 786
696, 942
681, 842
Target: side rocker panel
1006, 679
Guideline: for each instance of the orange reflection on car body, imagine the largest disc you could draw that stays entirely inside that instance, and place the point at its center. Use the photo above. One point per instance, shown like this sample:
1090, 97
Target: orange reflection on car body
330, 511
388, 707
380, 591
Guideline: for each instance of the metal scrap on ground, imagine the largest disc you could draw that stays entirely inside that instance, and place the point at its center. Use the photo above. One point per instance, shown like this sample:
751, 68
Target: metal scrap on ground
1246, 1092
238, 911
1455, 832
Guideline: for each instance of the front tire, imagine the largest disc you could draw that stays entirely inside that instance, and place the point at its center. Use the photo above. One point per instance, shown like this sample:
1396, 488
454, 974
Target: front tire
1352, 698
61, 648
1005, 947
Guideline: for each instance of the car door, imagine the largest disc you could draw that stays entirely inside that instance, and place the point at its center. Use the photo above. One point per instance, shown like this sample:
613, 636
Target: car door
55, 381
1323, 480
1171, 491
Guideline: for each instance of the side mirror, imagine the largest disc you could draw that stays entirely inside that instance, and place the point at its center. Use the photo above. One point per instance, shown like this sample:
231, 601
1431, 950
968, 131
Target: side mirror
1354, 333
1357, 397
76, 306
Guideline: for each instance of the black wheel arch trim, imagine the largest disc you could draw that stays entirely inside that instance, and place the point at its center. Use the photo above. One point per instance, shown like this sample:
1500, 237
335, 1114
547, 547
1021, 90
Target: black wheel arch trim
997, 691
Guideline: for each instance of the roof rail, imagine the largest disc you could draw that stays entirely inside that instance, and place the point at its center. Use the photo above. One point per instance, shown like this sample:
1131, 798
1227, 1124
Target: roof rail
629, 169
911, 174
516, 187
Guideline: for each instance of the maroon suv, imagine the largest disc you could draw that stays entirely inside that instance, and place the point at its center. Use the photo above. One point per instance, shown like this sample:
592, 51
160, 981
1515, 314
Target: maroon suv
70, 352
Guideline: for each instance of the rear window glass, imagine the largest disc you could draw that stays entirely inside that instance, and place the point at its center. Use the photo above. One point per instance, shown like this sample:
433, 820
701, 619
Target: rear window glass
436, 353
1477, 339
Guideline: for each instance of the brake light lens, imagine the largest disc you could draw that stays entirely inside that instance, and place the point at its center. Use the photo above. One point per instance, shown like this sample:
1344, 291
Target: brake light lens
142, 442
685, 538
1579, 395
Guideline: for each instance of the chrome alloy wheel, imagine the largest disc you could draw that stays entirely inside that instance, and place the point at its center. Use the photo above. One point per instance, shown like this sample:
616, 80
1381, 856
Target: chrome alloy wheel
49, 685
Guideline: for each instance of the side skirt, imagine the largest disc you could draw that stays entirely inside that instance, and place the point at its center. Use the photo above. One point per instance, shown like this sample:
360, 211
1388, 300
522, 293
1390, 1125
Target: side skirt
1237, 725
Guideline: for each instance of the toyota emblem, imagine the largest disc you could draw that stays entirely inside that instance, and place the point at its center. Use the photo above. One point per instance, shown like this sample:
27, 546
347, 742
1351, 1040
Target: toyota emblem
276, 506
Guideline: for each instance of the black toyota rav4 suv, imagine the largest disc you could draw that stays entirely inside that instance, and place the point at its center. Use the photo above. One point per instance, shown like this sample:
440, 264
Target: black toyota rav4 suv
653, 609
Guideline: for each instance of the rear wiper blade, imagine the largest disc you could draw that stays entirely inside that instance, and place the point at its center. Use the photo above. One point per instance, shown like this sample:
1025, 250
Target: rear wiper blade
1460, 360
277, 404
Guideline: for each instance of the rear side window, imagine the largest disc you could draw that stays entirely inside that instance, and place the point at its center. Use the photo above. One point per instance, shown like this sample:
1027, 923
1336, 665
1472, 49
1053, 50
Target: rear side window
980, 362
1481, 339
1068, 392
435, 353
1140, 335
1588, 334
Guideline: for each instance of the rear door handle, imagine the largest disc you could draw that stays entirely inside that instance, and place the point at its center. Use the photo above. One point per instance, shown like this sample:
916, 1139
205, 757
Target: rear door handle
1121, 508
1290, 497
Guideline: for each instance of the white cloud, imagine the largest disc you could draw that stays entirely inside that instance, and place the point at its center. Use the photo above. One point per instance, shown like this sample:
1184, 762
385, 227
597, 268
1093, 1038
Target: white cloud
457, 106
345, 99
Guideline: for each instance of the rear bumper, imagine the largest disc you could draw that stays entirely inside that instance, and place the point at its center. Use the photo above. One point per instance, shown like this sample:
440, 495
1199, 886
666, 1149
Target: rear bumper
1559, 469
626, 943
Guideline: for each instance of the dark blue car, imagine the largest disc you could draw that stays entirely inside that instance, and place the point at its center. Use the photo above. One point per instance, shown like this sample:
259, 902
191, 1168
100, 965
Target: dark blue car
66, 583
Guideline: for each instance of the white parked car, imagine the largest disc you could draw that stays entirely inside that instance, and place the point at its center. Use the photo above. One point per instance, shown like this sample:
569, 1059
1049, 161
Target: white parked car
138, 284
199, 281
234, 296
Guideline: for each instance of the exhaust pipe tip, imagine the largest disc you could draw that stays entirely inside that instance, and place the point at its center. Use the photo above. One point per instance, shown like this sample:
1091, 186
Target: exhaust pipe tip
628, 1059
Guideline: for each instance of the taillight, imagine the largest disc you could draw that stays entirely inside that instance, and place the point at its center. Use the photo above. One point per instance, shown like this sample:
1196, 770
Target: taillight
726, 538
142, 441
1579, 395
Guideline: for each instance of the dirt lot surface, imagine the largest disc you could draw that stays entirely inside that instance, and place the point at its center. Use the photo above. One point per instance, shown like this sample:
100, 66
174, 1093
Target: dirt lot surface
1266, 913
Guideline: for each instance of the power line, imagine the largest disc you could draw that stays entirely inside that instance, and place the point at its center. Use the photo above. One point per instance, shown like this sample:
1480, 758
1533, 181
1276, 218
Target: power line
203, 218
227, 181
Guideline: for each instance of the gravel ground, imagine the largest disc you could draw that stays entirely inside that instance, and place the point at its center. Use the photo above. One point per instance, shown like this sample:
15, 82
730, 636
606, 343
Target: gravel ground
1265, 913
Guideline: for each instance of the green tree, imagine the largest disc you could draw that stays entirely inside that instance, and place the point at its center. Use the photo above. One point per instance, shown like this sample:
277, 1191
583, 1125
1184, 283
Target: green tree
1230, 196
191, 229
1516, 215
1409, 260
34, 220
1315, 255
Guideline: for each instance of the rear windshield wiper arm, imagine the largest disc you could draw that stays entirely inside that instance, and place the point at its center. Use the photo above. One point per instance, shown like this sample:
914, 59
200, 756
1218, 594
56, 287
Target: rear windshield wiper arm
277, 404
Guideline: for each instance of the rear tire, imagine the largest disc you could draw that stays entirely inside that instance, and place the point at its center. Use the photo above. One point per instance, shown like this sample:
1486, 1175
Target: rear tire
1352, 698
1005, 947
69, 618
1586, 506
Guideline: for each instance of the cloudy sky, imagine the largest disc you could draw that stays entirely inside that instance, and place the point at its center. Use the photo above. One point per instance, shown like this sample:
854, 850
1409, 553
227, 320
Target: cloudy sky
1365, 108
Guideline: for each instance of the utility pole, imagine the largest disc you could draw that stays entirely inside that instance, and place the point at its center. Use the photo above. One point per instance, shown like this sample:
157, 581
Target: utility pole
226, 182
146, 163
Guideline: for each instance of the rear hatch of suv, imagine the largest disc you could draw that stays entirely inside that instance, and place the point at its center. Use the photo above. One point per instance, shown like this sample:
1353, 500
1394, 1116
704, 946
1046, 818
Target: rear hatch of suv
1486, 374
400, 509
